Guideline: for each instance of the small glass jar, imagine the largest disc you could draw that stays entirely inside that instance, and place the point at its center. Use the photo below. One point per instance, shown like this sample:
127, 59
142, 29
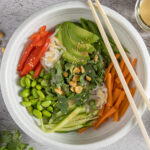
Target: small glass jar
139, 20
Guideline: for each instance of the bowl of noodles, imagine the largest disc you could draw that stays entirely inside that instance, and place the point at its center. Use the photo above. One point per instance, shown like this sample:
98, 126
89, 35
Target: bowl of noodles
61, 81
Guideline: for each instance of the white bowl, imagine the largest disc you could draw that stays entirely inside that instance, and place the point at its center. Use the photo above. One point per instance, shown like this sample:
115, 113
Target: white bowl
51, 16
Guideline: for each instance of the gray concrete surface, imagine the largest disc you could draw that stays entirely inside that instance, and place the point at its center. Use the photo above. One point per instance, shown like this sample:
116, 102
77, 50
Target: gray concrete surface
14, 12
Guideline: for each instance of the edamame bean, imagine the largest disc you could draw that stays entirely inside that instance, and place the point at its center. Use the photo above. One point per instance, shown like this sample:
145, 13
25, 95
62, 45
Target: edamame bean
92, 102
44, 83
47, 76
33, 83
25, 93
42, 73
46, 113
37, 113
41, 95
46, 103
38, 87
28, 82
50, 108
31, 97
26, 104
39, 80
29, 76
22, 82
49, 97
26, 99
30, 110
33, 101
32, 72
48, 90
34, 93
54, 104
39, 106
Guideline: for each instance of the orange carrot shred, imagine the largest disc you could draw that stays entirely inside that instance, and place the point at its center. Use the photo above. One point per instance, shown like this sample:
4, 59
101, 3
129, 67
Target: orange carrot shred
120, 99
101, 111
83, 129
116, 94
124, 106
105, 116
109, 88
116, 116
110, 67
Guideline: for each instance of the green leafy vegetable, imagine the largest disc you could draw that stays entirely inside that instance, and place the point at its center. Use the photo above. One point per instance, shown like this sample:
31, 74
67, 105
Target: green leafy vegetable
12, 141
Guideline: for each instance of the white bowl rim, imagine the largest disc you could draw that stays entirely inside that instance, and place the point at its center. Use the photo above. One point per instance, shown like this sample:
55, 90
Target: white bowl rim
73, 4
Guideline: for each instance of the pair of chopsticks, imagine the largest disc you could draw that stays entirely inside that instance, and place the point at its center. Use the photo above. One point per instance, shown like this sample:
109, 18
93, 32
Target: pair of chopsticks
117, 67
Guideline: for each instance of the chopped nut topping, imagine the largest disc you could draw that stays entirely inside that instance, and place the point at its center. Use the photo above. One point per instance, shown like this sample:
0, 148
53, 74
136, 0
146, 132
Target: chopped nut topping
3, 49
76, 70
82, 69
1, 34
78, 89
88, 78
72, 83
95, 58
65, 74
75, 78
59, 91
72, 89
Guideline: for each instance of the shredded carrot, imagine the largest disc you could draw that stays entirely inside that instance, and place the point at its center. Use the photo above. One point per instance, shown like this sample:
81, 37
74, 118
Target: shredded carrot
83, 129
122, 64
113, 74
120, 99
108, 70
105, 116
116, 116
125, 105
110, 67
107, 108
126, 71
109, 88
101, 111
116, 94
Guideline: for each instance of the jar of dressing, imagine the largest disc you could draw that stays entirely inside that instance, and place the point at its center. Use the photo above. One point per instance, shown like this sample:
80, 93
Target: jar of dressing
142, 13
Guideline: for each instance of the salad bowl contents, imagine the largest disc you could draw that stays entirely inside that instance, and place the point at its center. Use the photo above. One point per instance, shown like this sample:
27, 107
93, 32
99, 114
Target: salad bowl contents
68, 80
57, 77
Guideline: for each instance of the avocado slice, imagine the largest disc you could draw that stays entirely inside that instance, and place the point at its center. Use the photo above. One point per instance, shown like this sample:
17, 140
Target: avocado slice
81, 35
59, 33
72, 59
67, 43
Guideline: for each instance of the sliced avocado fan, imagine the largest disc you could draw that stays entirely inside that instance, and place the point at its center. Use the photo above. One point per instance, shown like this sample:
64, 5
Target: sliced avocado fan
77, 42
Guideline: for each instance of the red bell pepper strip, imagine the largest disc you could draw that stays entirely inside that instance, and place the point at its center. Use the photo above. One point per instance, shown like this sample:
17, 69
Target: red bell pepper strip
43, 28
24, 57
37, 70
34, 35
34, 58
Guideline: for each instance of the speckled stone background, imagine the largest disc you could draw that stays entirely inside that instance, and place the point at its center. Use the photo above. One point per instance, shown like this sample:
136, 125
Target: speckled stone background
14, 12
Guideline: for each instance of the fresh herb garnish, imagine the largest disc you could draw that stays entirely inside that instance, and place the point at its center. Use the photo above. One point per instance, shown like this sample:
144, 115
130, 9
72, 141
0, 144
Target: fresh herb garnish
12, 141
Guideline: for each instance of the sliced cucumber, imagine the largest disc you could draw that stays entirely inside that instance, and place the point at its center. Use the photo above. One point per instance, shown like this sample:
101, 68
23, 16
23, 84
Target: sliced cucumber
68, 118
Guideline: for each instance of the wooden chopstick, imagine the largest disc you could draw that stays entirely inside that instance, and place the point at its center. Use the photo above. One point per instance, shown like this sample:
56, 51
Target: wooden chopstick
118, 70
123, 54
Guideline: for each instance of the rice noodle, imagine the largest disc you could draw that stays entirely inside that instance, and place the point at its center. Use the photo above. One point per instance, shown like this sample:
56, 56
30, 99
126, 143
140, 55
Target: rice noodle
53, 53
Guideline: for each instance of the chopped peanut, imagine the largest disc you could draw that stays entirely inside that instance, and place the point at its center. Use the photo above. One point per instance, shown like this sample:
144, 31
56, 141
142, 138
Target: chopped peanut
82, 69
88, 78
95, 58
3, 49
78, 89
59, 91
76, 70
72, 83
65, 74
72, 89
1, 34
75, 78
